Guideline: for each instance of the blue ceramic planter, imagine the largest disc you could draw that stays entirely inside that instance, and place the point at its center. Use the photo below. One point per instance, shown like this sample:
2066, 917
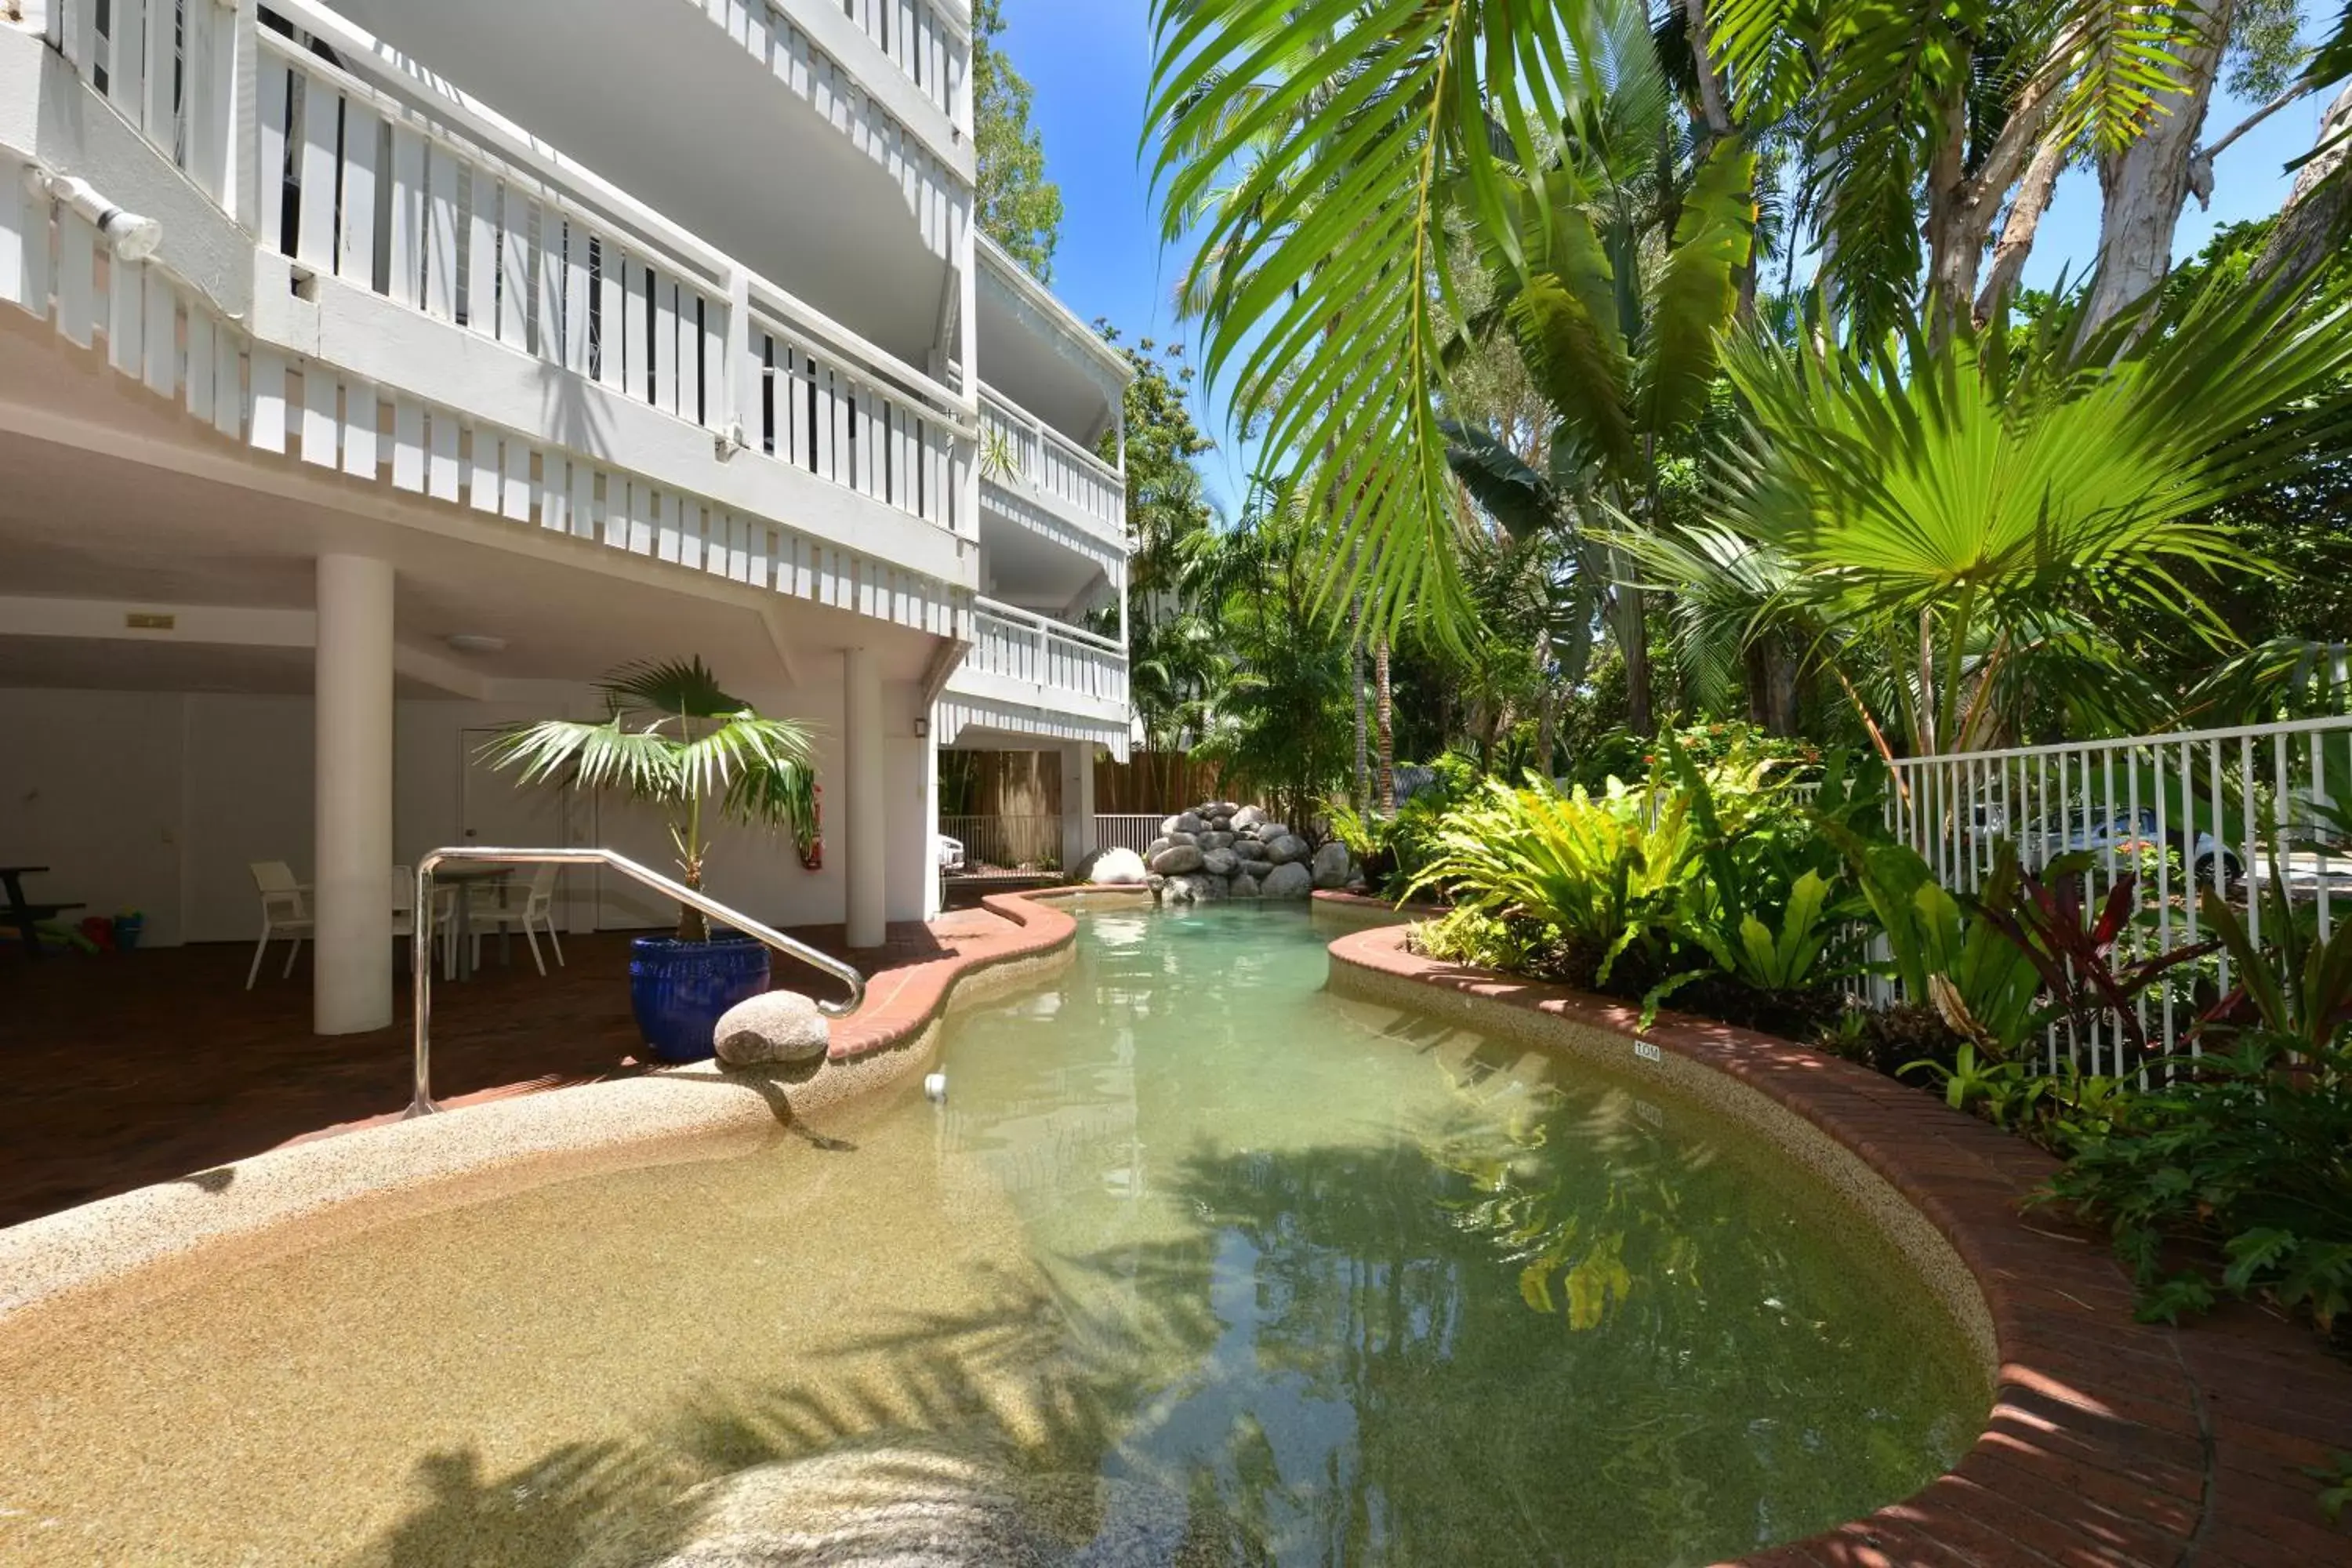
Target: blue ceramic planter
680, 990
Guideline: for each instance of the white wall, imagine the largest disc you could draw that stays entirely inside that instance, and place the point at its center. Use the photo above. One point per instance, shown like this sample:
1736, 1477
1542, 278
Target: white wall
158, 802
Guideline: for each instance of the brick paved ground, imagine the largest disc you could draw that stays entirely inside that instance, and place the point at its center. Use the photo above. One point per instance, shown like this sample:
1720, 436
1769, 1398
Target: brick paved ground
118, 1072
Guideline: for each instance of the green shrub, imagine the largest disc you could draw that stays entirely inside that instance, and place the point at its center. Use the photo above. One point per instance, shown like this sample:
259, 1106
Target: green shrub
2248, 1149
1604, 871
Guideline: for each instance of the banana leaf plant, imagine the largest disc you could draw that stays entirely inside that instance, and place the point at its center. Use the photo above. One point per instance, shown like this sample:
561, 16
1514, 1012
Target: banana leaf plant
673, 738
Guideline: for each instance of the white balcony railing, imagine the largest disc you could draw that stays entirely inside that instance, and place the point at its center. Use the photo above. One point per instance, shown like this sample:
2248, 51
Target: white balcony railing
1019, 646
1018, 444
922, 38
374, 173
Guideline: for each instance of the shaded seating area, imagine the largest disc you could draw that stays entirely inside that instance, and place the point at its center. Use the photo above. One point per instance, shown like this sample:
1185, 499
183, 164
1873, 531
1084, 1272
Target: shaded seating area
24, 915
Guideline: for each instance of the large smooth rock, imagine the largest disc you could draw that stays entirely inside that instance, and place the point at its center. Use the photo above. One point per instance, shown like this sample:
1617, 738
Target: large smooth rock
773, 1026
1286, 849
1117, 869
1191, 823
1177, 859
1181, 836
1152, 849
1250, 849
1176, 890
1292, 881
1247, 817
1267, 832
1212, 889
1215, 840
1331, 867
945, 1500
1220, 862
1244, 886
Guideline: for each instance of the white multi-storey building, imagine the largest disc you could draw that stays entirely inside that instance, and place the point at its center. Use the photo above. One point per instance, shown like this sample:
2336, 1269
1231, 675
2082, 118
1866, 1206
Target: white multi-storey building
373, 376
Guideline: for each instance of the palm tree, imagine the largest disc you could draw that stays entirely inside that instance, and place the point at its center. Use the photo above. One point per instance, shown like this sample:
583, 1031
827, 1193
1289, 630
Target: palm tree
1423, 111
1614, 282
1959, 524
674, 739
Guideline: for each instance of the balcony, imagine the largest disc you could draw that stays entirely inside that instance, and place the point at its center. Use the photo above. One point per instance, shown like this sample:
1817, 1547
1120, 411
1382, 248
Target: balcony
439, 301
1047, 482
1027, 676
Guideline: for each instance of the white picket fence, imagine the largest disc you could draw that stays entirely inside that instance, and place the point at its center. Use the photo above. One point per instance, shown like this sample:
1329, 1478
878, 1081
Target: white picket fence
1128, 831
2224, 809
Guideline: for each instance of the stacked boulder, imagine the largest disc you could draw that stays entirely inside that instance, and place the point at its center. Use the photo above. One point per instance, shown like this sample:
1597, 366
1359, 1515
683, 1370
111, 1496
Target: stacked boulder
1220, 850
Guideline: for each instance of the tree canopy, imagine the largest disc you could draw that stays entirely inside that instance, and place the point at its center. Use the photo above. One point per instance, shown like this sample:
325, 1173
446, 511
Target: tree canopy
1019, 208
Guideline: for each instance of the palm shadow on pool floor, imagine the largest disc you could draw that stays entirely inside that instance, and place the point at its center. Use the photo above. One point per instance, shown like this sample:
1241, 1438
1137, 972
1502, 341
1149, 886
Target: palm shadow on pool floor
1454, 1349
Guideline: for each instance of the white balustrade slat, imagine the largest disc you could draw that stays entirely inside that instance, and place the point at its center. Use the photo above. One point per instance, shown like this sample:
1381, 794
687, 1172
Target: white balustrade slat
362, 135
200, 382
641, 517
126, 42
314, 243
161, 371
406, 245
515, 212
407, 444
582, 504
547, 342
715, 411
482, 258
514, 490
636, 329
228, 383
575, 300
268, 432
361, 429
322, 421
664, 306
126, 308
483, 478
158, 113
208, 53
272, 100
77, 287
24, 241
445, 224
611, 313
443, 467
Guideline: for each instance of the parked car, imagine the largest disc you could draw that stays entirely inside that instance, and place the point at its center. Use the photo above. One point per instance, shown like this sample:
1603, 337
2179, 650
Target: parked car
2123, 829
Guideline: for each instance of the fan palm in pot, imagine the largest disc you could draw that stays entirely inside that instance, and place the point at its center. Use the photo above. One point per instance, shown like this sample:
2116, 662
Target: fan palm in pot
673, 738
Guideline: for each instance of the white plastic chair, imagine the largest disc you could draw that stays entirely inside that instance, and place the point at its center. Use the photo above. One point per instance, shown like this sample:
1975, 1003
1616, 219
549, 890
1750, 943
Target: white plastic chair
285, 911
501, 906
404, 911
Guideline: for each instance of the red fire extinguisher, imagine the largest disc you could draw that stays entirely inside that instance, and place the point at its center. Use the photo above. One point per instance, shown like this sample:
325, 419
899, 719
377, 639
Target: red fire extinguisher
813, 849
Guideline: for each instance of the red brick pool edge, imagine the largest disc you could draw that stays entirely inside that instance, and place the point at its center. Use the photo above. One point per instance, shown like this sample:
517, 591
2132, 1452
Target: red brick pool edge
2110, 1442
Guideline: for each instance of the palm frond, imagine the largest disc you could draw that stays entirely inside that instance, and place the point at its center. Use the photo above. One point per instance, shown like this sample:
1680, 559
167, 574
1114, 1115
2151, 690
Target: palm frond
1329, 251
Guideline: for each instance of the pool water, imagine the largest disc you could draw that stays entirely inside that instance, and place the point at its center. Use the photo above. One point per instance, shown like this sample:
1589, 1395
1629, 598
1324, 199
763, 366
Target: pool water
1196, 1264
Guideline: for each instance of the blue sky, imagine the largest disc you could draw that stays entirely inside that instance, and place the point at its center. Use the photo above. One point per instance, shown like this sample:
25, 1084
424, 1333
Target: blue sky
1089, 62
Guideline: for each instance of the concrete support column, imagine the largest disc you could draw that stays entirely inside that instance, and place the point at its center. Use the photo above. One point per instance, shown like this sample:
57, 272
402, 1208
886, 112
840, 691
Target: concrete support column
934, 887
1077, 803
866, 806
352, 962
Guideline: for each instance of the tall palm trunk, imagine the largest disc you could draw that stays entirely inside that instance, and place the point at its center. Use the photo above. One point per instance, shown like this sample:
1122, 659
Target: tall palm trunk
1384, 710
1363, 786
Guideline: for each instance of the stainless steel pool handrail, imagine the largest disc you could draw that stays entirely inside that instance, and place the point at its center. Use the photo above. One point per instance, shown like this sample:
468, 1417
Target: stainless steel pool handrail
420, 937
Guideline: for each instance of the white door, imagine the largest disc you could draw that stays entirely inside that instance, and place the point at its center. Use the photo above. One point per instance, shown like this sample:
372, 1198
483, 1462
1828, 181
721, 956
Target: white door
499, 811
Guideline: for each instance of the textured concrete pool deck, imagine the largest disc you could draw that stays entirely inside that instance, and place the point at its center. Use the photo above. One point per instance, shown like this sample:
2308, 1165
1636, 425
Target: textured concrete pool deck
2111, 1442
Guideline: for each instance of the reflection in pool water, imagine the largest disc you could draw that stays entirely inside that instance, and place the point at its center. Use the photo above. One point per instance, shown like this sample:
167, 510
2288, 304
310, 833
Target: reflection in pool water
1197, 1264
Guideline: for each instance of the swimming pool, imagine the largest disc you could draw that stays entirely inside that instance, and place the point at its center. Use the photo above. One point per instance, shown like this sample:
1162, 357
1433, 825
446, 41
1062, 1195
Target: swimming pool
1196, 1263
